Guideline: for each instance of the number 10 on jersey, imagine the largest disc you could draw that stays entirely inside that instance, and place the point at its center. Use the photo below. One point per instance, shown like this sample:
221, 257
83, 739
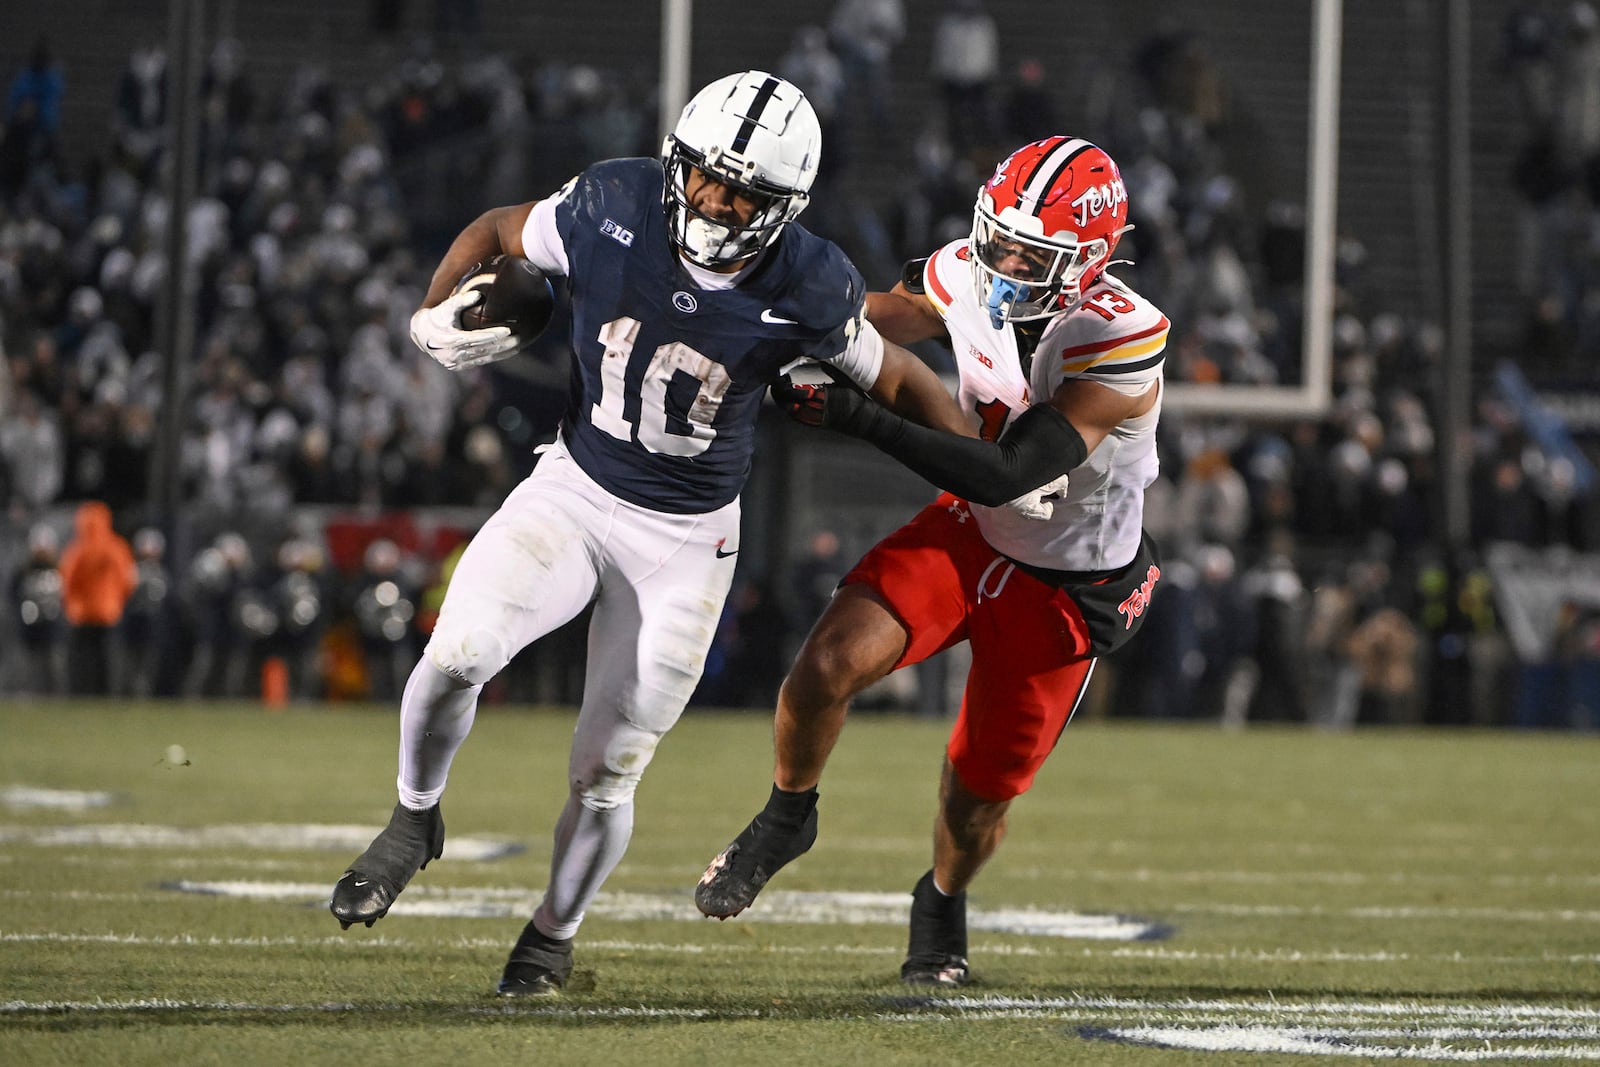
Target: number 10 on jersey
669, 360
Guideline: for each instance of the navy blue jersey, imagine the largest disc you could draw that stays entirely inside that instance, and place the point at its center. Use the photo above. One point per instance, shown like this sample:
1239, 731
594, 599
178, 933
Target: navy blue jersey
669, 378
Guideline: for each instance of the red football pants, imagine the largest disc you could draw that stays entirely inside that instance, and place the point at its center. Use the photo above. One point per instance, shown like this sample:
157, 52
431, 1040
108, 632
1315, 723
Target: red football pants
1030, 645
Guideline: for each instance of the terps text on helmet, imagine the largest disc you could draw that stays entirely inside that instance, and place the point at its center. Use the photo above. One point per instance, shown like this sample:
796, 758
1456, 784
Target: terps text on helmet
1098, 199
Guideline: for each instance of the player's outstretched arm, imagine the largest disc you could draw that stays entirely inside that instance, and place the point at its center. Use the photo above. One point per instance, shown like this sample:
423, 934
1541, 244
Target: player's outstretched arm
436, 325
903, 316
909, 387
1045, 442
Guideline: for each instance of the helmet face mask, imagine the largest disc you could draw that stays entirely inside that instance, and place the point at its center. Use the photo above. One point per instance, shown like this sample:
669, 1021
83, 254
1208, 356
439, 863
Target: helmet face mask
756, 134
1044, 227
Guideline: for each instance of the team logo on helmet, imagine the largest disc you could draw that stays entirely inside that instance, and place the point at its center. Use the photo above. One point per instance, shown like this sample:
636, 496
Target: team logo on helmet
1100, 198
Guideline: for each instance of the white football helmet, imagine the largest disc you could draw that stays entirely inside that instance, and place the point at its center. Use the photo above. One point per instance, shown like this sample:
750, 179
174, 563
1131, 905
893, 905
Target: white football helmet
753, 131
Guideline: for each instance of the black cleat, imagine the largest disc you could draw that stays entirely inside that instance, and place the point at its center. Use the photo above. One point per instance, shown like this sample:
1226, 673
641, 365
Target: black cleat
538, 966
367, 890
734, 878
938, 952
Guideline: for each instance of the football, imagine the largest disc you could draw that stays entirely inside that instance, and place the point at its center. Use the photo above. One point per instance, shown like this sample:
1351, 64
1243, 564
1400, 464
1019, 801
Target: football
515, 294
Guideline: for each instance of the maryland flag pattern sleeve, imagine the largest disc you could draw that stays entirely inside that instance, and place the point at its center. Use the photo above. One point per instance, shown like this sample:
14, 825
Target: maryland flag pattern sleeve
1115, 336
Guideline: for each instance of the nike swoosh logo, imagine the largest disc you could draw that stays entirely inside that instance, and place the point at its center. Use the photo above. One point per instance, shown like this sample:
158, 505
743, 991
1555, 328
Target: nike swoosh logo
721, 554
360, 883
777, 320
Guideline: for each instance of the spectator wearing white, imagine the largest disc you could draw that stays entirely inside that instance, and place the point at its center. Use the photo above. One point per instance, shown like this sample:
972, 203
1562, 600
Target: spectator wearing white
31, 445
966, 67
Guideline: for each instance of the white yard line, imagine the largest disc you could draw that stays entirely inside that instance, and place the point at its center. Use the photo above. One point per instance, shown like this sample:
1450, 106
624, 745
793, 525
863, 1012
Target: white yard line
258, 836
368, 940
1280, 1009
1394, 912
1143, 875
25, 797
820, 908
1270, 1039
1328, 1028
785, 907
162, 1004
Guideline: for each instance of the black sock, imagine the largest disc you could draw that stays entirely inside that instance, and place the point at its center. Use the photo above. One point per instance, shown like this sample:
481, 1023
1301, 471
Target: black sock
788, 809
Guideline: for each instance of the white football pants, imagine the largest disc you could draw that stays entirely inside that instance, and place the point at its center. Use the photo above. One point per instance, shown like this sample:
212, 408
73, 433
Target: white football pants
658, 583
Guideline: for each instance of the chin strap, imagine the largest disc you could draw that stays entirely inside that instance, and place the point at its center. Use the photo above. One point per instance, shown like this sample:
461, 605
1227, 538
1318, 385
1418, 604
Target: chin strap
1002, 294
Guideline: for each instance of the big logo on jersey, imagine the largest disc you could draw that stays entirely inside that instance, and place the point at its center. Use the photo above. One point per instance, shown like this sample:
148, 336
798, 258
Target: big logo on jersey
620, 234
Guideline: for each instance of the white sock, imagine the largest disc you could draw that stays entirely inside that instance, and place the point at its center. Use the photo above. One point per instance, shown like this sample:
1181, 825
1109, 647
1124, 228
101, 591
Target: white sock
588, 846
436, 712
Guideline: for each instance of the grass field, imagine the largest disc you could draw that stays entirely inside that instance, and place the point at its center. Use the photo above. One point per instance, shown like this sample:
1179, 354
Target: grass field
1377, 895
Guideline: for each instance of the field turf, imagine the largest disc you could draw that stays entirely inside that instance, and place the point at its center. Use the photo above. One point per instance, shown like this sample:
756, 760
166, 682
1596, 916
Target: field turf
1169, 894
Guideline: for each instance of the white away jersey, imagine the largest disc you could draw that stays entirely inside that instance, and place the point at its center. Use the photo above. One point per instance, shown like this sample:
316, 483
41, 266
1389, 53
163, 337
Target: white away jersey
1115, 336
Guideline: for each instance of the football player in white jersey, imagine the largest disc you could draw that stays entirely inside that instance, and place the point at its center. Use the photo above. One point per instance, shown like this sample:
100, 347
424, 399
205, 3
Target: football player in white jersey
1034, 555
691, 288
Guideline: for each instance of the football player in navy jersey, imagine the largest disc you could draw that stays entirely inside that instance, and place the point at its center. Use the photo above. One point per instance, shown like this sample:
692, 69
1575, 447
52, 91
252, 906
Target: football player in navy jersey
691, 288
1035, 556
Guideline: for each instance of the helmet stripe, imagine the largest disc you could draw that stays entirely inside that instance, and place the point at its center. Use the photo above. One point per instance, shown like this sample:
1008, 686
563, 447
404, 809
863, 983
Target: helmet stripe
1037, 185
752, 117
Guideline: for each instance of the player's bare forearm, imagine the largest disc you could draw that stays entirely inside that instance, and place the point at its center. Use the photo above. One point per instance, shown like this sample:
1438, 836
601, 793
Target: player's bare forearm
909, 387
904, 317
496, 231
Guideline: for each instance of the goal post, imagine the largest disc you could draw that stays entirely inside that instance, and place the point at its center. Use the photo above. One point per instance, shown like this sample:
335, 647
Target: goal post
1314, 395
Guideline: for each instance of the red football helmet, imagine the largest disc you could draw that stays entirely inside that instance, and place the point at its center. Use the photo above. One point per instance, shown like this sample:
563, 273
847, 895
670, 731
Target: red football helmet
1044, 228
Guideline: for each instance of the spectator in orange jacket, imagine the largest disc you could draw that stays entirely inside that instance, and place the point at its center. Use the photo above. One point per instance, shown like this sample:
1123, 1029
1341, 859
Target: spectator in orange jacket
98, 575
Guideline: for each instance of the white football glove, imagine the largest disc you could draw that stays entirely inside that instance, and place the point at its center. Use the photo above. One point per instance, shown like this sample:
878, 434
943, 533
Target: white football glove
1039, 503
436, 331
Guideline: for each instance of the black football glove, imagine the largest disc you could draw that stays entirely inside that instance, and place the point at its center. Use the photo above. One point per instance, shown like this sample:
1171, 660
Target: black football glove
834, 405
805, 404
1036, 451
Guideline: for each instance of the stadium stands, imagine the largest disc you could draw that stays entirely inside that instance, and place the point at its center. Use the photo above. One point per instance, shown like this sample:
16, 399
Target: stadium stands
1299, 551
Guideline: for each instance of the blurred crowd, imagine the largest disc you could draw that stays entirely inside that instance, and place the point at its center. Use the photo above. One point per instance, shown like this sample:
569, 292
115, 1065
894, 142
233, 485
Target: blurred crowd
1550, 57
1308, 577
292, 627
